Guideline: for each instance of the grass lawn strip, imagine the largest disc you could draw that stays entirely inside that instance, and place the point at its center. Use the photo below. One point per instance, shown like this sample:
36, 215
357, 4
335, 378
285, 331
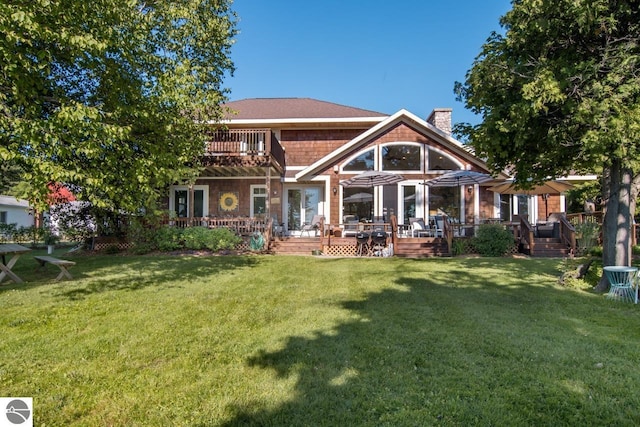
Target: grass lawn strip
261, 340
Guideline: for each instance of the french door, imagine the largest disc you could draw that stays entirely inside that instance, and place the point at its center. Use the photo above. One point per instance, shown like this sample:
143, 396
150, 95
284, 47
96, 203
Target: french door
302, 205
179, 200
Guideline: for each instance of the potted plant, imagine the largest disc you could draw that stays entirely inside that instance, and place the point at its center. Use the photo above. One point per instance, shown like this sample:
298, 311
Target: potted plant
50, 239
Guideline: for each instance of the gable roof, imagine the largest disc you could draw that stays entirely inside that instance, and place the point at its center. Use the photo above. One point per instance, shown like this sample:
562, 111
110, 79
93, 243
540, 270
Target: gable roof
403, 116
293, 108
12, 201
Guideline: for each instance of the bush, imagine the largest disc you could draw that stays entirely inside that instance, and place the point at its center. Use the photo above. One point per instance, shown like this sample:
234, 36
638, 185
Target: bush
25, 234
200, 238
149, 235
587, 235
168, 239
7, 231
493, 240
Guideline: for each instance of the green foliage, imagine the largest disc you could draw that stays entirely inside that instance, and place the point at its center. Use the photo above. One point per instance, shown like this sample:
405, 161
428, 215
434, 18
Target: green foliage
7, 232
149, 235
25, 234
168, 239
49, 238
588, 191
457, 247
559, 91
587, 236
110, 95
493, 240
569, 277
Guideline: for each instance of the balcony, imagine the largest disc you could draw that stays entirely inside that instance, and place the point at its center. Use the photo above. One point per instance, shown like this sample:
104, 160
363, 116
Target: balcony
244, 148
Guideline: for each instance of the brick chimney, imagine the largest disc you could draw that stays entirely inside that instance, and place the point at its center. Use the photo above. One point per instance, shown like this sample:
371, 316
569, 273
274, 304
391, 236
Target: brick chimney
441, 118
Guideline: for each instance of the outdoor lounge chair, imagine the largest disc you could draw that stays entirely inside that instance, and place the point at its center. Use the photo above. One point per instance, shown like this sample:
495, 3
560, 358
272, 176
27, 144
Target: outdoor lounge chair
314, 226
439, 226
419, 228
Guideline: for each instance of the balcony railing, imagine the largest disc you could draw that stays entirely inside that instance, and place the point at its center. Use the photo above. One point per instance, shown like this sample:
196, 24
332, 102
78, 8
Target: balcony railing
245, 142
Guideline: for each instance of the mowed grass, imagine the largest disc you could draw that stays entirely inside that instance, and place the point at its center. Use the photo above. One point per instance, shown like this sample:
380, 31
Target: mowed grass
312, 341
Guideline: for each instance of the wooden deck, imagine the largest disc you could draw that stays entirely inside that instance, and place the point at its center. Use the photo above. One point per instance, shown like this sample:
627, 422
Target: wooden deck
423, 247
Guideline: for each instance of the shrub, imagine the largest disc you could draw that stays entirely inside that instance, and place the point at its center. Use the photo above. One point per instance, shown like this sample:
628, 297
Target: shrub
168, 239
24, 234
587, 236
147, 235
7, 231
493, 240
226, 238
457, 247
200, 238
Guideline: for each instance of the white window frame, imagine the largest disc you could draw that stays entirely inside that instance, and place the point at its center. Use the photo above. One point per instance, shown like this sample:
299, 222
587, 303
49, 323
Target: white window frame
254, 187
205, 197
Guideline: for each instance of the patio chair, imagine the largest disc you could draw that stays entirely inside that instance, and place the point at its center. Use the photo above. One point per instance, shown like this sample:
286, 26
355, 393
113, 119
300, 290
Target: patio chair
277, 227
419, 228
439, 226
314, 226
350, 224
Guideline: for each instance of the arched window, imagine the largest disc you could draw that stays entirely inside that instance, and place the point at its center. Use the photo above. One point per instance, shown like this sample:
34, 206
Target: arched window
401, 157
364, 162
441, 161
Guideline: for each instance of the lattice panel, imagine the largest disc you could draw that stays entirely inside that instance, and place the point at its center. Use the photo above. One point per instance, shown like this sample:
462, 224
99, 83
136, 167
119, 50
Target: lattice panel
339, 250
122, 246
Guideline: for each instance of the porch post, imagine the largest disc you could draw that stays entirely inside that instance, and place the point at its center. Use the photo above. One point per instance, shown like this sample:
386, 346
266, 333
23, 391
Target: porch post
191, 197
268, 201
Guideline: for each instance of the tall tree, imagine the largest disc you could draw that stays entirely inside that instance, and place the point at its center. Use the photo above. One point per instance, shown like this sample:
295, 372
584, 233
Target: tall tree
559, 91
110, 95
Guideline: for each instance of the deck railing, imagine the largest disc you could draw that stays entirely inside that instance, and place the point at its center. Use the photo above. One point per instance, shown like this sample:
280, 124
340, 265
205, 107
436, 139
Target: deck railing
243, 226
244, 142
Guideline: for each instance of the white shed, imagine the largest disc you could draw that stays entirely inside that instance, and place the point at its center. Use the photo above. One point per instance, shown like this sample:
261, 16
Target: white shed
15, 211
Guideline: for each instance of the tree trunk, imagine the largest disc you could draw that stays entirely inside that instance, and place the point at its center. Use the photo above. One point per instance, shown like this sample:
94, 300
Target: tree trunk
618, 215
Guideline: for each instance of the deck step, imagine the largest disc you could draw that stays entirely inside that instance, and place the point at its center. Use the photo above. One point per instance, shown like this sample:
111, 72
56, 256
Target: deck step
295, 245
547, 248
421, 248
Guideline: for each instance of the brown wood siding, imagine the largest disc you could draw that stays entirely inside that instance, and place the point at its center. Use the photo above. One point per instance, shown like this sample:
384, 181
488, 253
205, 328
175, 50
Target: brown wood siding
486, 203
304, 147
553, 205
243, 189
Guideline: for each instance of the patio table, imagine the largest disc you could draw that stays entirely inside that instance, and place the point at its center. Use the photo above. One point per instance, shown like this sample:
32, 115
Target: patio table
5, 267
622, 282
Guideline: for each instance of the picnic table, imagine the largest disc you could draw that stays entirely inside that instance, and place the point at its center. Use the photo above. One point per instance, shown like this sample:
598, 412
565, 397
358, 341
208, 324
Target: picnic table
5, 267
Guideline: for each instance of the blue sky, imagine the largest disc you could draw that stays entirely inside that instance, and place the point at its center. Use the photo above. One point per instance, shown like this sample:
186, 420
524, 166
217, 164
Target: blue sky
376, 55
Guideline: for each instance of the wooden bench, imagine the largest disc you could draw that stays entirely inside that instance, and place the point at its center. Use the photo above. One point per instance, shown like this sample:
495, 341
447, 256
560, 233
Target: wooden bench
62, 264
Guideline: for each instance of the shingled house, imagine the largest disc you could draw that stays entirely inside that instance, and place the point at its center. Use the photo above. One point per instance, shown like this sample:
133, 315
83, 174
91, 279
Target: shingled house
285, 159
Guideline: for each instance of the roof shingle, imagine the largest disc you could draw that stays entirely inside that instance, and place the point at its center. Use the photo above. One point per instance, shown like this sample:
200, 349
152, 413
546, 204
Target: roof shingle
293, 108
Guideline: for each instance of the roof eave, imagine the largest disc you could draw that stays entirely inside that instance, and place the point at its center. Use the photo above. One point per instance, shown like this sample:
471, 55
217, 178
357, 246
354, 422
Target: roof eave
297, 121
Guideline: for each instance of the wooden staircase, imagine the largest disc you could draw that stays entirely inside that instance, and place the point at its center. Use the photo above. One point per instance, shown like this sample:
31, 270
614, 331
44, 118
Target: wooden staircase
412, 247
294, 245
546, 247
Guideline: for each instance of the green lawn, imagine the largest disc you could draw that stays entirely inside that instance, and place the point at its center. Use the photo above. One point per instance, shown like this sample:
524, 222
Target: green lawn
307, 341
